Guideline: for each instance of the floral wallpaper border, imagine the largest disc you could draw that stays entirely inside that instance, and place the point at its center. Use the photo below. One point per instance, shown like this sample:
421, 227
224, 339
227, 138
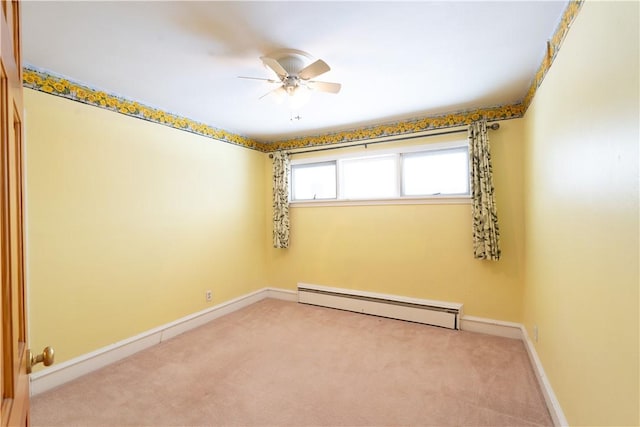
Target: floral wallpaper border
44, 81
502, 112
553, 46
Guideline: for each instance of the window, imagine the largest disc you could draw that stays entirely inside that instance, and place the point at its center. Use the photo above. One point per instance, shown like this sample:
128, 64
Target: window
314, 181
435, 171
369, 177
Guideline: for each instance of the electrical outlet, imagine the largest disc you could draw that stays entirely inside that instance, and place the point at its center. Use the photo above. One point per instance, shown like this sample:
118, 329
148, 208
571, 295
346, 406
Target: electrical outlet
208, 295
535, 333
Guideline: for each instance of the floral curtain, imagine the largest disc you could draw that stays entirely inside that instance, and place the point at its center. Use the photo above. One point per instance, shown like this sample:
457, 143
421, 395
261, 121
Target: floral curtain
486, 234
280, 200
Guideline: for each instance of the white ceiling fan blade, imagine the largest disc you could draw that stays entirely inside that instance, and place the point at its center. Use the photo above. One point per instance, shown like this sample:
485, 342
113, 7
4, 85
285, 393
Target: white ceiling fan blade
275, 66
259, 78
314, 70
325, 86
278, 94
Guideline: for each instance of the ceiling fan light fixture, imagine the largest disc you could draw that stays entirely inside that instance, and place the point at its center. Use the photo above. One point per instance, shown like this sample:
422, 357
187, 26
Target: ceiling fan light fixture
295, 70
298, 97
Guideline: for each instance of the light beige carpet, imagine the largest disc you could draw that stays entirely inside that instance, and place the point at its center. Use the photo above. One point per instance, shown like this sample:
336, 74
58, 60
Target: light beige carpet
279, 363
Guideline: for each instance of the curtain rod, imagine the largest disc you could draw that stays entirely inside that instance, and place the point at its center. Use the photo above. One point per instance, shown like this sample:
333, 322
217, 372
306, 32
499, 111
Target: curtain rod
493, 126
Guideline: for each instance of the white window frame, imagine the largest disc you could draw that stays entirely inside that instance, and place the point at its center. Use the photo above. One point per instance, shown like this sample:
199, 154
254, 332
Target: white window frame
400, 199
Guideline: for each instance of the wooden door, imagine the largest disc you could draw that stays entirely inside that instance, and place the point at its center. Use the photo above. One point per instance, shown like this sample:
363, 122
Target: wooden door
13, 365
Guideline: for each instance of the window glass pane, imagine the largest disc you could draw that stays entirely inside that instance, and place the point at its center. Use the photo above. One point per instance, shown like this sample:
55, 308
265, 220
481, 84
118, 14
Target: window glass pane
369, 178
436, 172
313, 181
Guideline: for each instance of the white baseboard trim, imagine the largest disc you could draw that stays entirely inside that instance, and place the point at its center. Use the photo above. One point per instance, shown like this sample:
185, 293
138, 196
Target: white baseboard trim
518, 331
553, 405
282, 294
69, 370
491, 327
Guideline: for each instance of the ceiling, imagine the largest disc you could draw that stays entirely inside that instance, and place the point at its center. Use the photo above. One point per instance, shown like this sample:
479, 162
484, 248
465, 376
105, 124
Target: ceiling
395, 60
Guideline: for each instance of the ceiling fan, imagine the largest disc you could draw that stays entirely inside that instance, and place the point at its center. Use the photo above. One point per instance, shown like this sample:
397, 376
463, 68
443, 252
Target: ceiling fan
295, 74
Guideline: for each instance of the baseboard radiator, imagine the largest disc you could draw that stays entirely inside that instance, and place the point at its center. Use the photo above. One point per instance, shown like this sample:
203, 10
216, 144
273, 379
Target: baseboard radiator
436, 313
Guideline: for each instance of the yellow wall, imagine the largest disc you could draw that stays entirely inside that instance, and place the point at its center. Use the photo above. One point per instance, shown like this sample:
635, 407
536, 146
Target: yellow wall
422, 251
130, 222
582, 217
127, 229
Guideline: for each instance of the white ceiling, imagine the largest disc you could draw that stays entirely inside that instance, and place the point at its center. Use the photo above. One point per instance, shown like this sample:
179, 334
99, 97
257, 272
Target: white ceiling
395, 60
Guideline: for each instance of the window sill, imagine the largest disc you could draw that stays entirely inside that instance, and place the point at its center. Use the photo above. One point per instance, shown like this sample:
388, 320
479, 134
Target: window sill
434, 200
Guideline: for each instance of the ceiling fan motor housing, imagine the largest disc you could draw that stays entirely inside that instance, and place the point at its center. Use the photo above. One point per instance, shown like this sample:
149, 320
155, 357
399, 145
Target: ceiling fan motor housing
293, 63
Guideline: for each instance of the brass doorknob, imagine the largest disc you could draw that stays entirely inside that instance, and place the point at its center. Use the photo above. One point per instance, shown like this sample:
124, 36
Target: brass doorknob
45, 357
